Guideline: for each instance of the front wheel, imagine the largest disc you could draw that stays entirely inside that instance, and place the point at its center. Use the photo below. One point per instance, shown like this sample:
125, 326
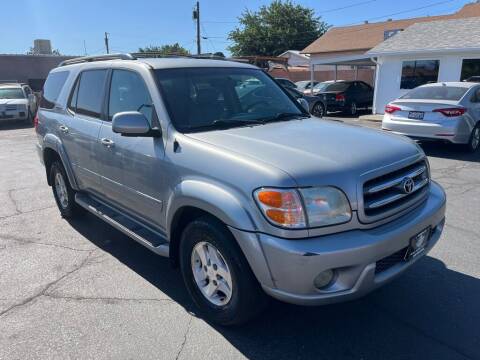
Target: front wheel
216, 274
474, 141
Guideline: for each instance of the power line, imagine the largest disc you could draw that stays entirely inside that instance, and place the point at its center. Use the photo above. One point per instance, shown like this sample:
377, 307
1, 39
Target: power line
347, 6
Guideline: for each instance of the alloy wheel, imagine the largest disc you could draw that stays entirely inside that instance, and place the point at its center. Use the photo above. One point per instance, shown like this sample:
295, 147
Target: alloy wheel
61, 190
476, 138
211, 273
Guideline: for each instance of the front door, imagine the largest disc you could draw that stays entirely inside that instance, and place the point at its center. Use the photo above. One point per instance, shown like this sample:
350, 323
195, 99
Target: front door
132, 167
82, 125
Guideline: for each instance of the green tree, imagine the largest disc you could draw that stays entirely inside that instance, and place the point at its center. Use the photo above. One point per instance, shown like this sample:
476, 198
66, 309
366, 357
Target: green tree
276, 28
173, 49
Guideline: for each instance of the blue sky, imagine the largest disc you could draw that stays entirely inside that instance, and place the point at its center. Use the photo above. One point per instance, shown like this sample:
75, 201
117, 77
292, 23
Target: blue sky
132, 24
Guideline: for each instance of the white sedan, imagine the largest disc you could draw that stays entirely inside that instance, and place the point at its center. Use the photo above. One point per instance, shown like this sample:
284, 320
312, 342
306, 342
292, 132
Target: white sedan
447, 111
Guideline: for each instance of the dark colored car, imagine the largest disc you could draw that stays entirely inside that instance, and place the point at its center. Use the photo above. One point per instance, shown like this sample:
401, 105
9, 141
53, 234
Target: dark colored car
316, 105
475, 78
286, 83
347, 96
305, 84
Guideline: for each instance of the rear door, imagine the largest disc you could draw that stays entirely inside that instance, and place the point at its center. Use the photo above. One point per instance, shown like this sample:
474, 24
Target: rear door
132, 167
82, 126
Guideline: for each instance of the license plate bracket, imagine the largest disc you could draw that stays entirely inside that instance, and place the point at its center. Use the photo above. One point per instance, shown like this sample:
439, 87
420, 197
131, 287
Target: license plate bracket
416, 115
418, 244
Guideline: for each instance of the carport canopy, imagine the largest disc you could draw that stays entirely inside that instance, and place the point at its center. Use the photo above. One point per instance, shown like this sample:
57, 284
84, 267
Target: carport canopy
354, 60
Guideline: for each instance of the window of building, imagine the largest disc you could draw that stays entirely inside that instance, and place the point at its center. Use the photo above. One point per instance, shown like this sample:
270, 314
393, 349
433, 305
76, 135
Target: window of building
419, 72
90, 93
470, 68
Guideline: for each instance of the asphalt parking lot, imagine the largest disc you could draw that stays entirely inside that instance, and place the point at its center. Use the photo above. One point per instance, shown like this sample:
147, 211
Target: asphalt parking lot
81, 289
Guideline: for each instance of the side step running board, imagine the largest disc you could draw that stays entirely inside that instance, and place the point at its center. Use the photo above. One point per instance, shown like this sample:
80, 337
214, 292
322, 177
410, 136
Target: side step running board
126, 224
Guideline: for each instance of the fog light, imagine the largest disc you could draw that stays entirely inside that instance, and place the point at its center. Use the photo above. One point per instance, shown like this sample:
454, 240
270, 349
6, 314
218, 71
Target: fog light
323, 279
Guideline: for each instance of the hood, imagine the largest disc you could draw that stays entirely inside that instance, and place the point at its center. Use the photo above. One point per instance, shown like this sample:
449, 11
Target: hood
13, 101
314, 151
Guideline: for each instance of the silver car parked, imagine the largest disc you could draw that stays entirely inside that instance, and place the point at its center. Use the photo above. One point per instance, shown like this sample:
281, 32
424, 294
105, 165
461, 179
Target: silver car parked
238, 185
448, 111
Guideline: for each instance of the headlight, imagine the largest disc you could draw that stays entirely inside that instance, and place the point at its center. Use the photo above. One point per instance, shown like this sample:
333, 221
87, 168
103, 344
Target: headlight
321, 206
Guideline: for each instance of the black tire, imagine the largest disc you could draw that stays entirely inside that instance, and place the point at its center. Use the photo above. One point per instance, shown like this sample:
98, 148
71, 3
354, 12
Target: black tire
474, 143
318, 110
247, 299
353, 109
69, 209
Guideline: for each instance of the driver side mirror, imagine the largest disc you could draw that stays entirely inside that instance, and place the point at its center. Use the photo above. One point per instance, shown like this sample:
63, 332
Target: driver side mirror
133, 123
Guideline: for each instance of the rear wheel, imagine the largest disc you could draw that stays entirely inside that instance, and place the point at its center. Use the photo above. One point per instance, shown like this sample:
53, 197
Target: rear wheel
63, 192
474, 141
318, 110
216, 274
353, 108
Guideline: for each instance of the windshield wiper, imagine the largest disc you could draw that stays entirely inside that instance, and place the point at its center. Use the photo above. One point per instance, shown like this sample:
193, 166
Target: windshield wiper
284, 116
225, 124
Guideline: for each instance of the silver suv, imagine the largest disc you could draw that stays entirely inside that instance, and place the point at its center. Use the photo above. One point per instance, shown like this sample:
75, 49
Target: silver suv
238, 185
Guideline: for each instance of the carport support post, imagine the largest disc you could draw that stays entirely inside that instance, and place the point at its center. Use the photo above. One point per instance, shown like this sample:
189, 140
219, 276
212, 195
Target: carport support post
336, 70
312, 71
356, 72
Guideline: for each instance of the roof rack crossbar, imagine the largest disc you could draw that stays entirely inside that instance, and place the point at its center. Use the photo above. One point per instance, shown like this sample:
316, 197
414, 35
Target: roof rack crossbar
85, 59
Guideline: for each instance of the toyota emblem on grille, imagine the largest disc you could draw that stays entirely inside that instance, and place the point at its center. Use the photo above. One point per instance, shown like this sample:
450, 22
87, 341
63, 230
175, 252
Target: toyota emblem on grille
408, 185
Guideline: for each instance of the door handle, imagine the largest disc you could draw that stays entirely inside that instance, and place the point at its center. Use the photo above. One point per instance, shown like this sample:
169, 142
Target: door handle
107, 142
63, 129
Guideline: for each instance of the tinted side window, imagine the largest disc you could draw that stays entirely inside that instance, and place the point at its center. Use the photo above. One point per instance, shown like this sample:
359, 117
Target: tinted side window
128, 92
90, 92
53, 87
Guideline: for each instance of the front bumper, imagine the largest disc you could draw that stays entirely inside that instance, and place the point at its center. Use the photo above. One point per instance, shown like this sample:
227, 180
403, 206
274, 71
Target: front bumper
294, 264
13, 115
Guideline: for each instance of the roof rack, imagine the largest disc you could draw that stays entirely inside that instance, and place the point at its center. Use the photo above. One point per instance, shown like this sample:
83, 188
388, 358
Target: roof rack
85, 59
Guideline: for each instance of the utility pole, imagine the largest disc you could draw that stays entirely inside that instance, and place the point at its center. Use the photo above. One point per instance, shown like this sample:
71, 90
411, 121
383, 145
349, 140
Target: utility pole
106, 43
85, 47
196, 16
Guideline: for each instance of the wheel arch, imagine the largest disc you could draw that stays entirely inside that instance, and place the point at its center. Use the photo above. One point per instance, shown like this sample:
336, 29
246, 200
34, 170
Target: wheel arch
53, 150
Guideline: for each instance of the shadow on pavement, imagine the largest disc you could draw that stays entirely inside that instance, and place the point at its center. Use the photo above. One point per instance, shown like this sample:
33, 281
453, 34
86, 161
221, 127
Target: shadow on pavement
430, 312
449, 151
14, 124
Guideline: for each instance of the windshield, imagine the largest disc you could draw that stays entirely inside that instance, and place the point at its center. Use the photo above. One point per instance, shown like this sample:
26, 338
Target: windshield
436, 93
200, 99
11, 93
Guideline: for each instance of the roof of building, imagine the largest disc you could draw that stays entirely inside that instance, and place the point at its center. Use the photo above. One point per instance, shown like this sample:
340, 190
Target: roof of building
366, 36
439, 35
294, 52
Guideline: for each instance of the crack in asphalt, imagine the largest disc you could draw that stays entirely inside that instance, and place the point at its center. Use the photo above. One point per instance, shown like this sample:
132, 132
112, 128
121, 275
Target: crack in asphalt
106, 299
26, 212
14, 202
34, 242
182, 345
42, 292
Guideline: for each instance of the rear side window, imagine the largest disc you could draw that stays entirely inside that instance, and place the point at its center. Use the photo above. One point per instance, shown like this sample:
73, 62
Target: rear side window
52, 88
88, 95
453, 93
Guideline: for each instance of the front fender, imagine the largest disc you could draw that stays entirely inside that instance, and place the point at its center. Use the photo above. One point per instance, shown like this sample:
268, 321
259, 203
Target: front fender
53, 142
213, 199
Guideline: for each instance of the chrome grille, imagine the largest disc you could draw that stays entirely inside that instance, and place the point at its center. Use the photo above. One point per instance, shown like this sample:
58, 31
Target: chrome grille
387, 194
10, 107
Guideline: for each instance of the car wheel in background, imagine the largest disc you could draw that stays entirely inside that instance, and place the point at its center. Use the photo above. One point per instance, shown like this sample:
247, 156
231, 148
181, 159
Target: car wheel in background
63, 193
353, 108
318, 110
474, 142
216, 274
